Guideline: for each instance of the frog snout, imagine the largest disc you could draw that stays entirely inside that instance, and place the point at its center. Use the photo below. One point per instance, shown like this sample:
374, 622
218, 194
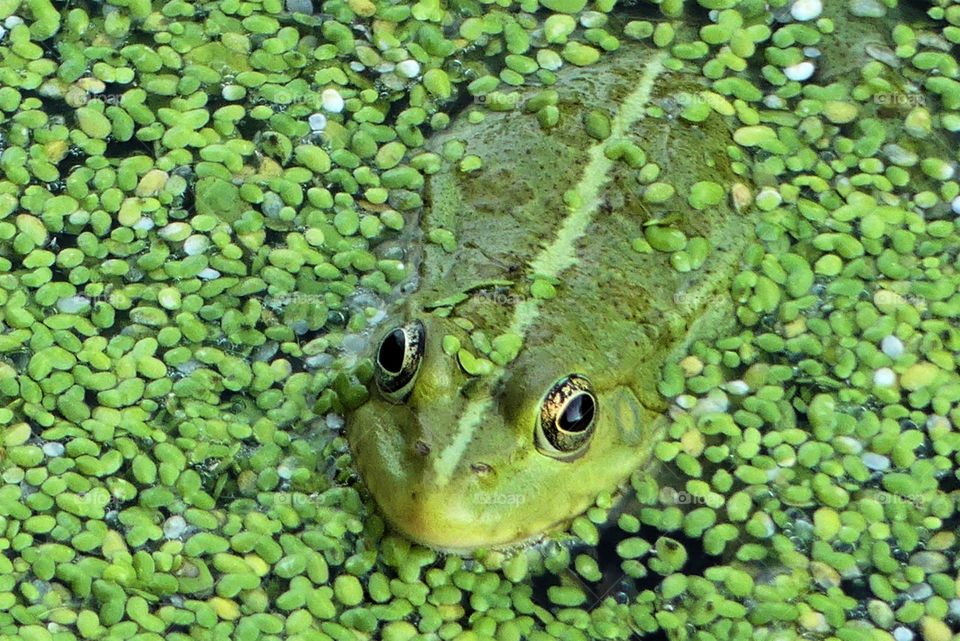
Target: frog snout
481, 469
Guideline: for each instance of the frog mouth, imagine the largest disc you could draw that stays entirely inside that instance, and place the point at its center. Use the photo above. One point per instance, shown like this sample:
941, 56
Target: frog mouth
454, 525
459, 518
451, 519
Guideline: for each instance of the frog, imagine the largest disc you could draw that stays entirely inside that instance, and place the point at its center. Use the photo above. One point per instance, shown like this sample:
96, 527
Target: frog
519, 380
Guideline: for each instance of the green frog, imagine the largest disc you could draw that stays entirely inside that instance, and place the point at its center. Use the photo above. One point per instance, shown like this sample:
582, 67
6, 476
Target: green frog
596, 239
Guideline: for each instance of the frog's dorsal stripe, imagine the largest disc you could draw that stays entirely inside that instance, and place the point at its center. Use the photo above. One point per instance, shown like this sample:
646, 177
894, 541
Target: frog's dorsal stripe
559, 255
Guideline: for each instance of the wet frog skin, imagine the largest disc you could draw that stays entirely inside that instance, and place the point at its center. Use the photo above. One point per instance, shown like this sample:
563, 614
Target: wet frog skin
544, 260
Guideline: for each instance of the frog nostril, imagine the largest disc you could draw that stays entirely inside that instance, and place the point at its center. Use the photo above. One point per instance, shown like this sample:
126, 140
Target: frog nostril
422, 448
481, 468
471, 389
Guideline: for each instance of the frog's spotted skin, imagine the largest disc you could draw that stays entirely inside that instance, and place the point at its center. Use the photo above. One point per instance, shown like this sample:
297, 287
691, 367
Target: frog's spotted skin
456, 465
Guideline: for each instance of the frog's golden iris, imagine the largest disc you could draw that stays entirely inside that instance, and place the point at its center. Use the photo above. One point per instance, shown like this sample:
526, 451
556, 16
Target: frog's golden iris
568, 414
459, 457
398, 360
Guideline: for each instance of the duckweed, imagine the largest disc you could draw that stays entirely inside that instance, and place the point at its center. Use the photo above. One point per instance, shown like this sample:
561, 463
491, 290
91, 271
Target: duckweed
190, 252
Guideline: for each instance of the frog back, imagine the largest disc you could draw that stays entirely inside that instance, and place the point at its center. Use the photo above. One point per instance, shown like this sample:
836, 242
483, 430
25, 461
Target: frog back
571, 207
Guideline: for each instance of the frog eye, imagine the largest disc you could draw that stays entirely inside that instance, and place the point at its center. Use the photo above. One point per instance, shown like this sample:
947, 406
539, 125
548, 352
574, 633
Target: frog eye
567, 419
398, 359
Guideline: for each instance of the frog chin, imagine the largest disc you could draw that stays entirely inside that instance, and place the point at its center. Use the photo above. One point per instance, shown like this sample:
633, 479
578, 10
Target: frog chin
454, 525
458, 519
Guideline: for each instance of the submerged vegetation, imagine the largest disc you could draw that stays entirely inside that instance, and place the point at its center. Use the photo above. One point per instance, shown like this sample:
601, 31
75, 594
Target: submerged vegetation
204, 205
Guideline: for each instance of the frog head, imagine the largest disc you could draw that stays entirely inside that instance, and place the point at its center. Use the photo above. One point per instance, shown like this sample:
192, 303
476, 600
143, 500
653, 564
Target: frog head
457, 461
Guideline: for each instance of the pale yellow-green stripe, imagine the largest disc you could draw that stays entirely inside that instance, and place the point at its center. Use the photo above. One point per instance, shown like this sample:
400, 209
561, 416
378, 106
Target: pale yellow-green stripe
558, 256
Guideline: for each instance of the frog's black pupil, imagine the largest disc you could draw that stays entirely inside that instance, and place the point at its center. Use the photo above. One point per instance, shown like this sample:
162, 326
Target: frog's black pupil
391, 352
578, 414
